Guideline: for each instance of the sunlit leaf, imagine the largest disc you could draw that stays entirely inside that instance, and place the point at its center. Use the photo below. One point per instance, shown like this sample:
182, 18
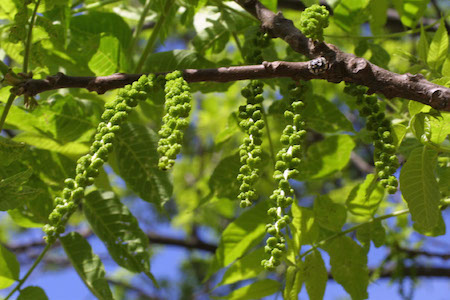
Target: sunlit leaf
9, 268
88, 265
420, 188
32, 293
349, 266
137, 163
256, 290
118, 229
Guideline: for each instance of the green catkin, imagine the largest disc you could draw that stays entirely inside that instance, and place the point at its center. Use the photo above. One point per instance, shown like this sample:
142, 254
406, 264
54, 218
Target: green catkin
288, 160
313, 20
88, 166
250, 151
386, 162
178, 107
251, 115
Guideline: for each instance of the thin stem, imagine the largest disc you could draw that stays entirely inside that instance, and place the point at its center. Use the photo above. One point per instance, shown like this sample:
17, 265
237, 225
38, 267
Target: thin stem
139, 26
391, 105
6, 110
94, 6
35, 264
152, 39
238, 43
4, 68
26, 56
323, 242
269, 137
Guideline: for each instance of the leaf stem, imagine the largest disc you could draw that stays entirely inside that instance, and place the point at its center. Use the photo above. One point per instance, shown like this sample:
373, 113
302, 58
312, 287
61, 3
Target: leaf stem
139, 26
6, 110
269, 137
152, 39
4, 68
35, 264
26, 55
323, 242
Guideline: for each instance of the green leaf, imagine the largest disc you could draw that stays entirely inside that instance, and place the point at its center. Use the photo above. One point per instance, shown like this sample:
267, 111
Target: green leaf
328, 214
67, 119
242, 234
223, 179
94, 23
423, 46
10, 151
347, 13
137, 163
118, 229
440, 127
438, 47
176, 60
444, 179
415, 107
9, 268
23, 220
293, 282
420, 188
247, 267
437, 230
324, 116
411, 11
398, 134
32, 293
14, 191
305, 230
88, 265
256, 290
71, 149
211, 32
379, 56
270, 4
315, 275
106, 60
446, 67
327, 157
365, 198
378, 15
373, 231
349, 266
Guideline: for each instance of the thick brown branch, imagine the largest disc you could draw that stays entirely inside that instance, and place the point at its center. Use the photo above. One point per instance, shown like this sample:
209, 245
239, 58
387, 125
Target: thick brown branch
348, 68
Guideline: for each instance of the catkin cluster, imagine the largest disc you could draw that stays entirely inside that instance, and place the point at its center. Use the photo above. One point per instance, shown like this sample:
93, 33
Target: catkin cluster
250, 151
256, 44
88, 166
386, 162
286, 167
313, 20
178, 106
252, 122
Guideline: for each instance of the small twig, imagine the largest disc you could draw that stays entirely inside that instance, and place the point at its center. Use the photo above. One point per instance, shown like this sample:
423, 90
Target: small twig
152, 39
6, 110
29, 38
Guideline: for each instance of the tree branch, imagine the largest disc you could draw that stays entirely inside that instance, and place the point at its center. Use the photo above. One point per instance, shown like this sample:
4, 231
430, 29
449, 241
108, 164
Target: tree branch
344, 67
348, 67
